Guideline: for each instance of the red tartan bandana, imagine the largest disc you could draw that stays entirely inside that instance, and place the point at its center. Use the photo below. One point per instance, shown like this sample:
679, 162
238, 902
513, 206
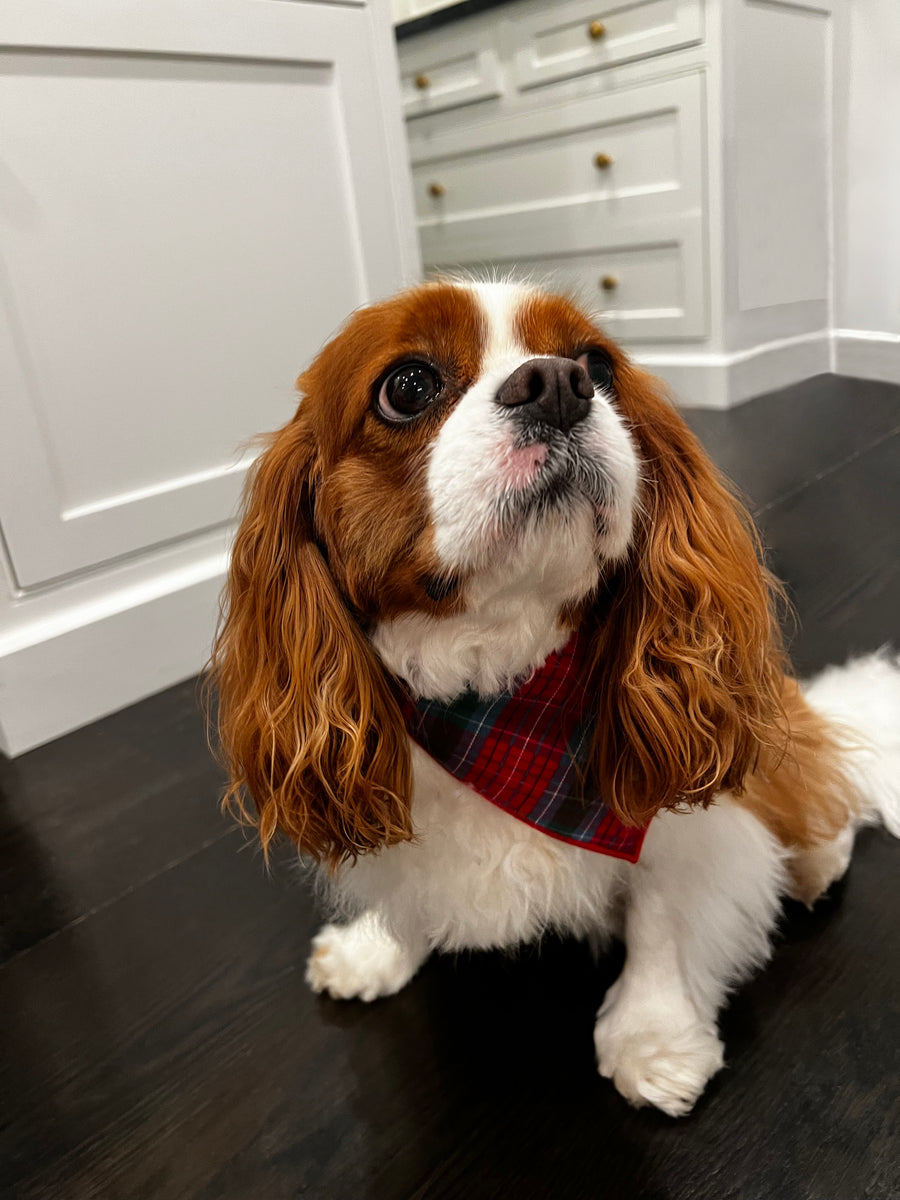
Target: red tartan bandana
522, 751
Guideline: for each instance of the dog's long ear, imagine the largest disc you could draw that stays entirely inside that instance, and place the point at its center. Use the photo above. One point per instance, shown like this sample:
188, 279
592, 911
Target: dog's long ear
688, 656
307, 720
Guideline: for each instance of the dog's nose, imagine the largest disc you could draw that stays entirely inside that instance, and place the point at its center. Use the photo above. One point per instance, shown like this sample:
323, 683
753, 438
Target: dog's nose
556, 391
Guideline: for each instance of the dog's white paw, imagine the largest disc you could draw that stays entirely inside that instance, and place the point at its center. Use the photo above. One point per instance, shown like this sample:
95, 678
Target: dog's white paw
358, 961
665, 1068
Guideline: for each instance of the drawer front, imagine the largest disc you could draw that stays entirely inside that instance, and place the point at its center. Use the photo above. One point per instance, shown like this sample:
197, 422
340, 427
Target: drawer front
448, 72
558, 41
640, 147
640, 291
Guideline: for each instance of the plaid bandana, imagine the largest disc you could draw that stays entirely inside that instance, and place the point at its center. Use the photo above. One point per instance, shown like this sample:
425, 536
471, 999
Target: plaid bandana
522, 749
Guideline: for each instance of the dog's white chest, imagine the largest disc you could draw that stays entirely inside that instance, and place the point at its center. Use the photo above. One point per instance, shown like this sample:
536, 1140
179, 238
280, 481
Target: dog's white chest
477, 877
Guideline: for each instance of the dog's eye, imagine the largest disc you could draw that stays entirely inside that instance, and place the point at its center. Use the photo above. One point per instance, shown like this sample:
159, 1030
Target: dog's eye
408, 391
598, 366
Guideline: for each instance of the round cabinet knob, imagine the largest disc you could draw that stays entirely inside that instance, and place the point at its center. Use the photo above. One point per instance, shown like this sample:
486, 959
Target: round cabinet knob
602, 161
422, 82
596, 30
436, 190
609, 283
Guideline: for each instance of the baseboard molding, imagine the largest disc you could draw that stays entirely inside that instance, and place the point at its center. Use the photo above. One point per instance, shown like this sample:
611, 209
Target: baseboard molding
58, 675
726, 380
864, 355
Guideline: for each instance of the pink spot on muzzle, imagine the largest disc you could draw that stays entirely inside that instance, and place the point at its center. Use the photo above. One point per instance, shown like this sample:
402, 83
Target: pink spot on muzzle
518, 465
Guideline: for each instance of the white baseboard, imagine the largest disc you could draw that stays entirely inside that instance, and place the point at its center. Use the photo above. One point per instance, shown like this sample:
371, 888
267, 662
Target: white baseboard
725, 380
864, 355
708, 380
82, 660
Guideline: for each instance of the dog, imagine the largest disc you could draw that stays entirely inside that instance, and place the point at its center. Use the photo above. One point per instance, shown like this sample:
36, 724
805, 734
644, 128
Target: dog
499, 652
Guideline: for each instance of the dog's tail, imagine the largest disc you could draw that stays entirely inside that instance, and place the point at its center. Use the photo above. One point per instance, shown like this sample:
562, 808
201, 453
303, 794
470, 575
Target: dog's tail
863, 698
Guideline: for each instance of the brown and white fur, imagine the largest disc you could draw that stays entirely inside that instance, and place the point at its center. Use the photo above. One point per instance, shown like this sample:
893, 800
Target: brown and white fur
458, 548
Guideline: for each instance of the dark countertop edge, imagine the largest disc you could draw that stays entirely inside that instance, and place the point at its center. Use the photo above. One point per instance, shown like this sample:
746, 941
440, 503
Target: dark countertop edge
445, 16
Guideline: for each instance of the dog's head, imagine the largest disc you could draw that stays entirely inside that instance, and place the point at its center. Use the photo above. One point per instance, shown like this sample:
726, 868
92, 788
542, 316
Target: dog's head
472, 471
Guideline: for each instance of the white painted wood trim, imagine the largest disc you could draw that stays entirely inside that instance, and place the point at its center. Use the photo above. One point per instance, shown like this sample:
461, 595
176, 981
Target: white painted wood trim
387, 68
635, 29
863, 354
709, 380
109, 646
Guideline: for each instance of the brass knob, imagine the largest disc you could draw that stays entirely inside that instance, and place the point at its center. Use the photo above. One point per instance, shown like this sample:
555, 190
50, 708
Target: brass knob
602, 161
422, 82
436, 190
596, 30
609, 283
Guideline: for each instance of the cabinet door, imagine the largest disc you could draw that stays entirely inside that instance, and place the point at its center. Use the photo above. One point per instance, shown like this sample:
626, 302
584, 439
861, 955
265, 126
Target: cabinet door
193, 195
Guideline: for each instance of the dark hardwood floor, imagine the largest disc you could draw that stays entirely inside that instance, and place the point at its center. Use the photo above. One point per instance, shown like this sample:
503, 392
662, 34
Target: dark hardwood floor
159, 1041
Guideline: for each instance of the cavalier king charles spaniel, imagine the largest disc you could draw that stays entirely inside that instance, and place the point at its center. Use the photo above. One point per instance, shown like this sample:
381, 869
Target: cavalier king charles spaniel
498, 651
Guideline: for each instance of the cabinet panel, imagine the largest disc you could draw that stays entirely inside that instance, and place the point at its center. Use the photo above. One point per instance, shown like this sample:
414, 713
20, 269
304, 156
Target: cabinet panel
780, 228
640, 290
640, 142
559, 41
447, 71
161, 289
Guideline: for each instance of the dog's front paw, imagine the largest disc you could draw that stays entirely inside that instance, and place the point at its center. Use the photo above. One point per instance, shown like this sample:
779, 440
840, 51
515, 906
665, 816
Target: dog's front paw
358, 961
665, 1068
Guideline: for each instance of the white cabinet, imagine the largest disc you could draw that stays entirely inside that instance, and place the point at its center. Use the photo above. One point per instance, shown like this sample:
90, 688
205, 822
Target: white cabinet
604, 193
667, 160
193, 195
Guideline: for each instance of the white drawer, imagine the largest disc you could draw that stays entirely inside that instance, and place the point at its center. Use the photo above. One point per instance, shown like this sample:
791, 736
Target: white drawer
447, 72
654, 289
557, 41
648, 139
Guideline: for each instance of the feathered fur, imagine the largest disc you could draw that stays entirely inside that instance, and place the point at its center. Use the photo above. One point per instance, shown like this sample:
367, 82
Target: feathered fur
688, 662
306, 714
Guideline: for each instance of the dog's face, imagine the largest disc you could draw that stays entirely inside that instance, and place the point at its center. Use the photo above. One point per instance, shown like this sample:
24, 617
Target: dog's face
453, 426
466, 442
